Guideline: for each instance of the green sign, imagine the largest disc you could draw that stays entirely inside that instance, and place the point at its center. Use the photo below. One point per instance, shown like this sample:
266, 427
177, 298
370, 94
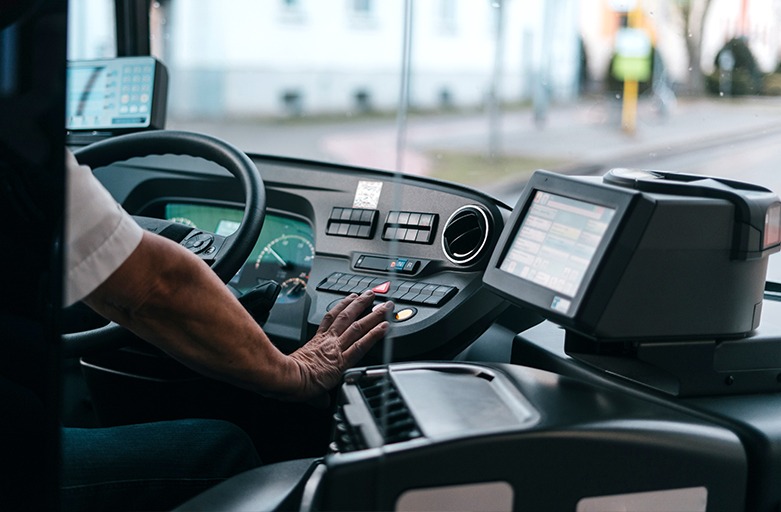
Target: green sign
631, 68
633, 55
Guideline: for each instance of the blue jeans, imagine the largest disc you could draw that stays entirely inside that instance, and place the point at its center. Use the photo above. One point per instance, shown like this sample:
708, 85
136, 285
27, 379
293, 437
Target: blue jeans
151, 466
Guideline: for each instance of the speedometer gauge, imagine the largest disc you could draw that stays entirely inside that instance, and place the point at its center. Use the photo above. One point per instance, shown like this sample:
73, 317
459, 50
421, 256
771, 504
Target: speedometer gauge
287, 259
292, 289
283, 252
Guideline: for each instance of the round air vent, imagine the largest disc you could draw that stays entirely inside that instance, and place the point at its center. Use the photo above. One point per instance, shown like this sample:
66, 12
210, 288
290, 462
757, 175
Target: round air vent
466, 234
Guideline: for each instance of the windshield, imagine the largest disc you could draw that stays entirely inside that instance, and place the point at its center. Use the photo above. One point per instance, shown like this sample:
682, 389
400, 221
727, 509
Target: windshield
477, 92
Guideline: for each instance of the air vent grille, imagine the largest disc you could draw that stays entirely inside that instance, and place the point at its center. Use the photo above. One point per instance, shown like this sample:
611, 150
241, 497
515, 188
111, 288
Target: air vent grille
387, 408
466, 234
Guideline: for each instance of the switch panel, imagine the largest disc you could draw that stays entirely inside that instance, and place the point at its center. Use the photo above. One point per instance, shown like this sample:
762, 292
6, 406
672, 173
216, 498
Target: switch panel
352, 222
413, 227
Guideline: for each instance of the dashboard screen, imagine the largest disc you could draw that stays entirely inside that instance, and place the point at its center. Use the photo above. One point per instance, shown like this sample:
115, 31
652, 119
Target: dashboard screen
283, 252
114, 94
563, 235
557, 241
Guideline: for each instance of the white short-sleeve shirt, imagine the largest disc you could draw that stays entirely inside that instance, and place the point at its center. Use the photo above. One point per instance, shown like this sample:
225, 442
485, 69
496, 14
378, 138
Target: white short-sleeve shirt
99, 233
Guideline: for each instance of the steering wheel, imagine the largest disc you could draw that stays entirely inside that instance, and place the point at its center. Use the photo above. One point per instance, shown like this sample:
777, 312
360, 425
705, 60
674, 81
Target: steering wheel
226, 255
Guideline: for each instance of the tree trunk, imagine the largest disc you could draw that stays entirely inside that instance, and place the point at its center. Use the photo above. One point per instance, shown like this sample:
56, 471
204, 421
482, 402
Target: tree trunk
694, 12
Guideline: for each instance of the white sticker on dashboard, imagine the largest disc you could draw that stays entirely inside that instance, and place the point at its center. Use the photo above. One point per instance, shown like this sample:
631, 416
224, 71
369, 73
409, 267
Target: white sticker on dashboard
367, 195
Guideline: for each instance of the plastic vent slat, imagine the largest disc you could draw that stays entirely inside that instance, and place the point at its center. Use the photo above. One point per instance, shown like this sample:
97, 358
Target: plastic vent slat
381, 398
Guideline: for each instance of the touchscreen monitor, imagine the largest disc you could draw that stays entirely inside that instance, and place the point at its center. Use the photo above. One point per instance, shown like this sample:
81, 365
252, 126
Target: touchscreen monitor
556, 243
561, 235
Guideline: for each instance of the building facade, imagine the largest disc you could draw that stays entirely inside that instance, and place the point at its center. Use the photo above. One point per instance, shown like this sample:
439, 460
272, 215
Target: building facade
294, 57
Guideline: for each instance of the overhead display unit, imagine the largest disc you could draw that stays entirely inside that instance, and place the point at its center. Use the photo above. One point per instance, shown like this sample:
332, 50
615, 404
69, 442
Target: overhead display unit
111, 96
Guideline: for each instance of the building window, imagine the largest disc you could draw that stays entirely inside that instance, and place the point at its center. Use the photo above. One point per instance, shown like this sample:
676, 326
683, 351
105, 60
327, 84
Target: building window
362, 100
446, 99
362, 7
447, 16
291, 11
292, 102
362, 14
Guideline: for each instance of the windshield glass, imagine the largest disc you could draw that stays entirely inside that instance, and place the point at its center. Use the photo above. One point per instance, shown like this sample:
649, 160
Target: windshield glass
496, 88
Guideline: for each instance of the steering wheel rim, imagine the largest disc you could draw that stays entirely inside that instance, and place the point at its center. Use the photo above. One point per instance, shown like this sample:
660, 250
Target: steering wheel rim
237, 246
235, 249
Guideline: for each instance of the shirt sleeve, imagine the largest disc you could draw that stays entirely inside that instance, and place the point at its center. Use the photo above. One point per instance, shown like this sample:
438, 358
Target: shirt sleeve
99, 233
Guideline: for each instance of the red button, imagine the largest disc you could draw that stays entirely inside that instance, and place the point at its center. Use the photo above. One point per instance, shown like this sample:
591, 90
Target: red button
382, 288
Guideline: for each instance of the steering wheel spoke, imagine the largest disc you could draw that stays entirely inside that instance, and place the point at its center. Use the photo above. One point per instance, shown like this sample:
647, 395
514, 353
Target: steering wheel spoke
204, 244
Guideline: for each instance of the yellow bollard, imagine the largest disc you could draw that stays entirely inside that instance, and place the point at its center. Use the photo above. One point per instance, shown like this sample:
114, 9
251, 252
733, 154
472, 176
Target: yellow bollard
629, 107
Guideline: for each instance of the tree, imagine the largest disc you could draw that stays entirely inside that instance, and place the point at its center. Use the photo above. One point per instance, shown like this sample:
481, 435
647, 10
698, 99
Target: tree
693, 13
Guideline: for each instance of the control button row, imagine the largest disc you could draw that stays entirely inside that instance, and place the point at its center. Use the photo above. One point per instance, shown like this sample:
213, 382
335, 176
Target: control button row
412, 219
413, 292
413, 235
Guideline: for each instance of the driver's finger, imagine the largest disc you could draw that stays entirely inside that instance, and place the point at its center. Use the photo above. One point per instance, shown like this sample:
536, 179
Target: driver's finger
353, 354
358, 329
332, 314
344, 318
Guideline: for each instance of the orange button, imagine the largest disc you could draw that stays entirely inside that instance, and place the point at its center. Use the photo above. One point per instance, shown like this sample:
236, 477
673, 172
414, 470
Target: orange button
382, 288
404, 314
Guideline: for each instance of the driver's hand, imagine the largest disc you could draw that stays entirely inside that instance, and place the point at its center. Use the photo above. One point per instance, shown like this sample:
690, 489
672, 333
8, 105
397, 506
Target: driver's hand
340, 342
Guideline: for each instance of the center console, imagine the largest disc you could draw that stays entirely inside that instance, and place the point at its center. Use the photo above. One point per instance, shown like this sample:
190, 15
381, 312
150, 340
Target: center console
504, 437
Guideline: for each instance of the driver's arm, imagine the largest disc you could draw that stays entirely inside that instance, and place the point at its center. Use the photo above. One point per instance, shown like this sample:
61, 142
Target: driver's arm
169, 297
